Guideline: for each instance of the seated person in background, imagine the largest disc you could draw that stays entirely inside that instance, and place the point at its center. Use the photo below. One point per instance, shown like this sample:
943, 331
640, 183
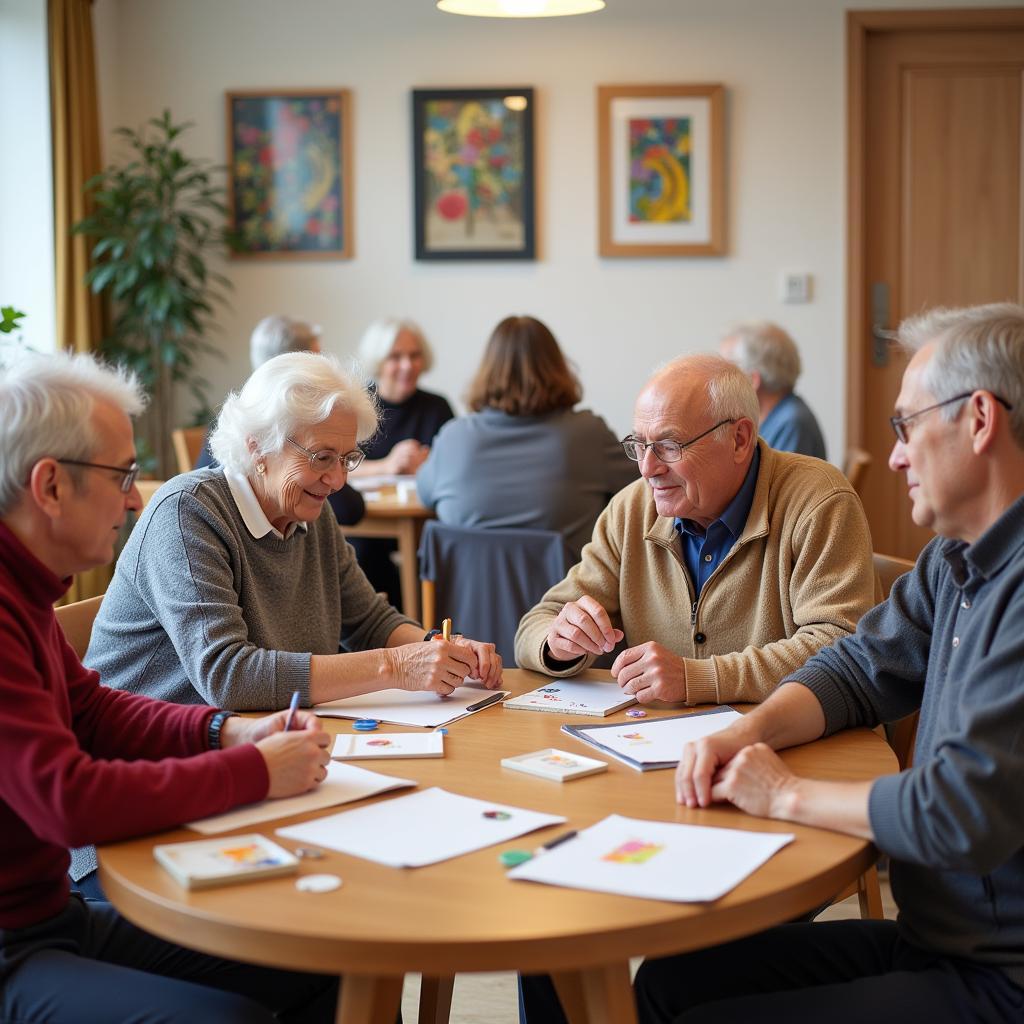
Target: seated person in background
234, 590
726, 566
770, 358
525, 458
949, 641
394, 353
273, 336
83, 763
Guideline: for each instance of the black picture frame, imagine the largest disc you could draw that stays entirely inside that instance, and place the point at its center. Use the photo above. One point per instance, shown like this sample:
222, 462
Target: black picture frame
473, 173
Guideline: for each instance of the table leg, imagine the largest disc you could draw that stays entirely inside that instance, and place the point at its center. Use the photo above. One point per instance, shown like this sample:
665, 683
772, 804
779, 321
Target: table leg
436, 999
409, 568
369, 999
597, 995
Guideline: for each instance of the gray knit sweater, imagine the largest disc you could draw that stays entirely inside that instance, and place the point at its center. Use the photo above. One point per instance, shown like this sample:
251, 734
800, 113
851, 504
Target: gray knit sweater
200, 611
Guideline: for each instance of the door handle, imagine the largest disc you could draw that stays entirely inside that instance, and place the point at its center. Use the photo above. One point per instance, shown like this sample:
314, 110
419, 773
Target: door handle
881, 336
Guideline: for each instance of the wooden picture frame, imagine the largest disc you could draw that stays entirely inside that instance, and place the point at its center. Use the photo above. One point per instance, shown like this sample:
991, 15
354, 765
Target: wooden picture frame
661, 170
290, 174
473, 174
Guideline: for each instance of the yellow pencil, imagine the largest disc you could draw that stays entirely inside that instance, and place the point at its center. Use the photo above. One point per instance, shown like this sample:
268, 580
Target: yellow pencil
446, 629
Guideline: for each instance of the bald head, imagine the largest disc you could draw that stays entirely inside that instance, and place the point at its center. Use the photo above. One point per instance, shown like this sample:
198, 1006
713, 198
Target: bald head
705, 383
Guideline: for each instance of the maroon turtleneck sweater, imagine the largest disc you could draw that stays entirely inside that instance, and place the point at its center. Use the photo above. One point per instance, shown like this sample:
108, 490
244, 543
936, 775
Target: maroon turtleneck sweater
83, 764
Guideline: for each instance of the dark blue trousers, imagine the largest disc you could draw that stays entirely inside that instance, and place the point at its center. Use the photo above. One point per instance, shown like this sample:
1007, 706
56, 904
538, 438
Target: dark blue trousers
842, 972
88, 965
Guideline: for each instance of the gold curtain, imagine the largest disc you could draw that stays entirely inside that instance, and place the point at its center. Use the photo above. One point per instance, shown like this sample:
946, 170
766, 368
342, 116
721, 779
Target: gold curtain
74, 119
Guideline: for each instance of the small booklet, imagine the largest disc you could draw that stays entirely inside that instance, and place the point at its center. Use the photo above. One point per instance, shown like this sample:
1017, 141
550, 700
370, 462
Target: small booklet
573, 698
206, 862
552, 763
655, 743
388, 744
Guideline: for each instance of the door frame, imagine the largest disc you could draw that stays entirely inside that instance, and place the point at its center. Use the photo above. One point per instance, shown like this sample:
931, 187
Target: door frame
859, 26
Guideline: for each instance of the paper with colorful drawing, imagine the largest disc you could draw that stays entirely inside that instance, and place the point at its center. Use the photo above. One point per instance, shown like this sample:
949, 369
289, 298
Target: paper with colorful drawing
654, 860
573, 698
422, 828
656, 743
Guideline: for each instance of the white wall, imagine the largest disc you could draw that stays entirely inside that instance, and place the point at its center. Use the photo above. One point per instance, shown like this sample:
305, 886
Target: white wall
26, 198
781, 60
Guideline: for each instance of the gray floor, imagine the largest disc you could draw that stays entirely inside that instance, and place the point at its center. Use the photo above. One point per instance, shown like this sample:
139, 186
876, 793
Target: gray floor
491, 998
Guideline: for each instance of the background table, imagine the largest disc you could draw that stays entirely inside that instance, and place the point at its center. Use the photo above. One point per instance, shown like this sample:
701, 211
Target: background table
465, 915
390, 517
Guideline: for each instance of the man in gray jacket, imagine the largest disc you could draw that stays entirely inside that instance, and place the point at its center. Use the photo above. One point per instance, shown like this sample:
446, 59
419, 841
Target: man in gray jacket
950, 642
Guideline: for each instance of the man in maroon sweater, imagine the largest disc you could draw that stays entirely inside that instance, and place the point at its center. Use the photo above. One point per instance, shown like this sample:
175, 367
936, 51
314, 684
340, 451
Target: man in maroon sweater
80, 763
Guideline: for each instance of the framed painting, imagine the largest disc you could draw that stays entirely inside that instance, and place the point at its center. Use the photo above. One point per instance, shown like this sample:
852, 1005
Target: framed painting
289, 174
661, 173
473, 173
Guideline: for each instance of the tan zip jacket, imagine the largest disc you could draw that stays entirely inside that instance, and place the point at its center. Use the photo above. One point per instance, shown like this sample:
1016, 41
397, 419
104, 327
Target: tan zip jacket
799, 577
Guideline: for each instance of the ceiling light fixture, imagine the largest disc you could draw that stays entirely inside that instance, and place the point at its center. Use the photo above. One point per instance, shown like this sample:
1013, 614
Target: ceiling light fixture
519, 8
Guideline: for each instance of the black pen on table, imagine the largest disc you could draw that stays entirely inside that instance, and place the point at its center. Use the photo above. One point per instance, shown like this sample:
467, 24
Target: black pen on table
557, 841
291, 711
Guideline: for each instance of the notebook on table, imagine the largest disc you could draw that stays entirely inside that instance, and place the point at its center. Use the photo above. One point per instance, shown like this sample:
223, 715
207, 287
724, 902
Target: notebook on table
566, 697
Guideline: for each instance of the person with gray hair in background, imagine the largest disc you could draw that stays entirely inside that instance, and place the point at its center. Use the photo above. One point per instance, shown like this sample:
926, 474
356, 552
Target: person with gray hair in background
949, 644
85, 763
770, 358
273, 336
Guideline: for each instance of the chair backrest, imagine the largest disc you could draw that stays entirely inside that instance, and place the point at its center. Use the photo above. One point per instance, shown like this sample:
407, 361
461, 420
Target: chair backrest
486, 580
855, 467
889, 569
188, 443
147, 488
901, 734
76, 621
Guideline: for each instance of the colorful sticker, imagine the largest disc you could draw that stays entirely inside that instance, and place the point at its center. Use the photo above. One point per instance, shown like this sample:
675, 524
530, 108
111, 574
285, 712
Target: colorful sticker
633, 851
497, 815
636, 738
378, 743
559, 761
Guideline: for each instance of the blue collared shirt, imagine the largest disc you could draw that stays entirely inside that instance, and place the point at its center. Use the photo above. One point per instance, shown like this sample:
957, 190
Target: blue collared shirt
703, 549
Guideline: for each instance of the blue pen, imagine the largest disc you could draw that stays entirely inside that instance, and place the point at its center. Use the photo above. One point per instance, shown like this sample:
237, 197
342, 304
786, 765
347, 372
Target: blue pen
291, 711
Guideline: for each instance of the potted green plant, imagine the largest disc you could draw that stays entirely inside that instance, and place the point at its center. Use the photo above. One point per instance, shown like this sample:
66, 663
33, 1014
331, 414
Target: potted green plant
10, 321
155, 220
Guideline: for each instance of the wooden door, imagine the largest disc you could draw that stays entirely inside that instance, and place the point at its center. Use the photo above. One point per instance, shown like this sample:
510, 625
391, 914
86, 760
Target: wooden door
935, 205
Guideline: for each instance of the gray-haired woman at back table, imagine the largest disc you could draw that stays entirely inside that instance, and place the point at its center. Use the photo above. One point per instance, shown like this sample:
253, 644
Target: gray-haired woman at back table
234, 590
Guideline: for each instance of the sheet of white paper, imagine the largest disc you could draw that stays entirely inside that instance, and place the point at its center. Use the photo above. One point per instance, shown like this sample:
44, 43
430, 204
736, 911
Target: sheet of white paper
376, 481
422, 828
655, 860
661, 739
565, 697
344, 783
407, 707
388, 744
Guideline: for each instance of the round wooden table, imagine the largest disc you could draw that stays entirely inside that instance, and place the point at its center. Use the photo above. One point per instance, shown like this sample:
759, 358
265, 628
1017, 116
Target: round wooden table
465, 915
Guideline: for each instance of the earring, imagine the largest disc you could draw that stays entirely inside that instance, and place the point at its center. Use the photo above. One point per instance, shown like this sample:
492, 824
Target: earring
261, 468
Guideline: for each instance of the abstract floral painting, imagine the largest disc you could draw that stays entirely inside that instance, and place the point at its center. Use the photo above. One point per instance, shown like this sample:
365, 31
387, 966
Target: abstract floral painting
473, 168
290, 186
661, 177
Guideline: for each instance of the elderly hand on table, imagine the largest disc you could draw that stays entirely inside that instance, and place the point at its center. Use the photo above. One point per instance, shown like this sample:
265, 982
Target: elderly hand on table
296, 760
442, 665
651, 672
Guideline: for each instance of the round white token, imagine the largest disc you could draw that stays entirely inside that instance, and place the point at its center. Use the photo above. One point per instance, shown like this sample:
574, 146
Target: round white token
318, 883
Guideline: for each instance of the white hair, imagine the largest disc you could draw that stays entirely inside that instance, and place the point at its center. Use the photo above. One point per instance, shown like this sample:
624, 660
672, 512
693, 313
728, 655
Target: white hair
285, 394
730, 395
766, 349
47, 404
275, 335
379, 338
977, 348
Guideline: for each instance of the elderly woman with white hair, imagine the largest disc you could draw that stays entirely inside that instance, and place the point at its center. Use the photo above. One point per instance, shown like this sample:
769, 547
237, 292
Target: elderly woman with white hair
394, 353
235, 590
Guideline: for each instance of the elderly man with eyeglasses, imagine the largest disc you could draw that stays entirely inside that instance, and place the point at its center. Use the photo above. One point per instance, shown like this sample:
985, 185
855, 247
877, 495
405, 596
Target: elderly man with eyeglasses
725, 567
949, 643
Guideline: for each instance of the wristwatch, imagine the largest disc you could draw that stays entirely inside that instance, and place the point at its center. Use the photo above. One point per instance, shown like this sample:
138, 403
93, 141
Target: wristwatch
213, 730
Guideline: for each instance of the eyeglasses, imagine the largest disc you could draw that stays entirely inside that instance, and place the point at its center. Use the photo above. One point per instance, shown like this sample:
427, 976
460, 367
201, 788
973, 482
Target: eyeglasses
128, 474
666, 451
326, 459
899, 423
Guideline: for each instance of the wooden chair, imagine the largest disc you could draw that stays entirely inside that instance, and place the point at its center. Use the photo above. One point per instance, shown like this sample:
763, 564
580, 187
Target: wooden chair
76, 621
855, 467
188, 443
147, 488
